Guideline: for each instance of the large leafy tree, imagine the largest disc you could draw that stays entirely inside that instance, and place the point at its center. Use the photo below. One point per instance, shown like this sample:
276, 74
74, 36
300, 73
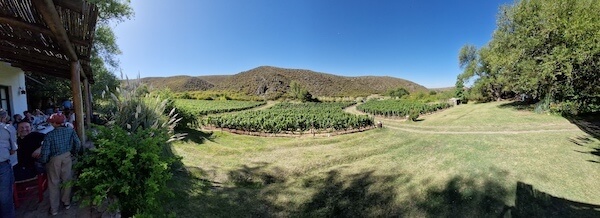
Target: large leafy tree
548, 49
103, 58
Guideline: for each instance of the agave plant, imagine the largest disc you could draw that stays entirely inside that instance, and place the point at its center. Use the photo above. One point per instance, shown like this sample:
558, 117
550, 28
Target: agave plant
134, 108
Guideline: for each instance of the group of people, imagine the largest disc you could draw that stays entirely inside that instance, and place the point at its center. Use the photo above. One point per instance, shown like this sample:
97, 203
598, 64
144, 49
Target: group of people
37, 118
36, 153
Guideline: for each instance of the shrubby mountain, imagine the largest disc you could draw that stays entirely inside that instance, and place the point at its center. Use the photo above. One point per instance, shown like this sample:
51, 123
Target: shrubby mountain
273, 81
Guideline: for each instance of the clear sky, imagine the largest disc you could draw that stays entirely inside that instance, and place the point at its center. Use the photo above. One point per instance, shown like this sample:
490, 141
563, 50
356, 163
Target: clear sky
409, 39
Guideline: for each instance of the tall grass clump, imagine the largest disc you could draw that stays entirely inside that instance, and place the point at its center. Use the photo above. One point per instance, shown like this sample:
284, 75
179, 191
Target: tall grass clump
132, 160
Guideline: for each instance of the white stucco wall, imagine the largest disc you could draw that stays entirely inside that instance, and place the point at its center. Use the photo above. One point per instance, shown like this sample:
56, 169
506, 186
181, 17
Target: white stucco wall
14, 78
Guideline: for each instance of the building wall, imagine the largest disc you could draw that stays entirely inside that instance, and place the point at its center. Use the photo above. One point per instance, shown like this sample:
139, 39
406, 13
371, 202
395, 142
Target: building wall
14, 78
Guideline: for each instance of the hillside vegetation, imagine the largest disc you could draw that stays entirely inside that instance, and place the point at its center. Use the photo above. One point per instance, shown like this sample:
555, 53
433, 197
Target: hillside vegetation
178, 83
273, 82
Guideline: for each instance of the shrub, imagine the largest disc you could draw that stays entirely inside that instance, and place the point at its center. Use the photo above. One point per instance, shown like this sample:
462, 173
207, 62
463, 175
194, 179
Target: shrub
399, 92
132, 159
413, 115
129, 167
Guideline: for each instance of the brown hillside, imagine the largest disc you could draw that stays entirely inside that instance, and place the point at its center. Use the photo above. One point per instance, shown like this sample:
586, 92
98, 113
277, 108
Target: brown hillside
272, 81
215, 79
178, 83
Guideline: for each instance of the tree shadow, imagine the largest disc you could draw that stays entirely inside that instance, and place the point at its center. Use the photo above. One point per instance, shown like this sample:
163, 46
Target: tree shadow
263, 191
586, 142
256, 176
465, 197
197, 136
358, 195
197, 197
519, 105
531, 202
589, 123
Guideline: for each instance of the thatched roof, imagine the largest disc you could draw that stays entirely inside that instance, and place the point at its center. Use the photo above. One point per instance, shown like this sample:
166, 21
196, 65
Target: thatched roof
45, 36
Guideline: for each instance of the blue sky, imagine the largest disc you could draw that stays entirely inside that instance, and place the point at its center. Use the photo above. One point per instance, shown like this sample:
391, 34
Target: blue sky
409, 39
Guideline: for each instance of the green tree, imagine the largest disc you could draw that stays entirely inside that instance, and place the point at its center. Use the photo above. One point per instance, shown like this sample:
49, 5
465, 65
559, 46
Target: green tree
547, 49
459, 89
399, 92
103, 61
300, 93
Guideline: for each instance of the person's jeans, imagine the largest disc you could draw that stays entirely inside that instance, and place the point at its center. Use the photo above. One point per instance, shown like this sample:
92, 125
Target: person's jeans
7, 207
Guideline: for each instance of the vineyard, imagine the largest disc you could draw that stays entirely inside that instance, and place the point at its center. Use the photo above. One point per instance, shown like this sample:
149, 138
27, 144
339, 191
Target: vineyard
292, 117
399, 108
204, 107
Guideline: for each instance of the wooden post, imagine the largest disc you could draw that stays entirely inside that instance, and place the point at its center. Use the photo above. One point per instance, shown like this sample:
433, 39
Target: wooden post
88, 102
77, 99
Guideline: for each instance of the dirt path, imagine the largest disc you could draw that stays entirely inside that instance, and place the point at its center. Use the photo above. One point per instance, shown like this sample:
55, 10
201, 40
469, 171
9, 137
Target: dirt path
352, 109
266, 106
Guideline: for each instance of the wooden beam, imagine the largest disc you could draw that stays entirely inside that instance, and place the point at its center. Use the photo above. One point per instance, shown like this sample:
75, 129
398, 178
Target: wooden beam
20, 24
37, 29
25, 54
53, 21
88, 102
77, 100
34, 59
50, 16
73, 5
20, 42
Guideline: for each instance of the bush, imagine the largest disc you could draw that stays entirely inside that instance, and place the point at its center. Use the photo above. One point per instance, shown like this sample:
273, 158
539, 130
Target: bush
130, 167
132, 159
399, 92
413, 115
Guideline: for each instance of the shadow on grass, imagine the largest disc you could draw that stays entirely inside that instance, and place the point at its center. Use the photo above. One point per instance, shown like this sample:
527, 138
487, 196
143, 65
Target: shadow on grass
534, 203
197, 136
519, 105
263, 191
466, 197
242, 195
590, 124
358, 195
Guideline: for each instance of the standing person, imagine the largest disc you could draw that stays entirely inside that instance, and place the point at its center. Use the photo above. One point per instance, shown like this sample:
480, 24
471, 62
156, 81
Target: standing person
8, 147
57, 148
38, 117
29, 150
28, 116
67, 104
17, 119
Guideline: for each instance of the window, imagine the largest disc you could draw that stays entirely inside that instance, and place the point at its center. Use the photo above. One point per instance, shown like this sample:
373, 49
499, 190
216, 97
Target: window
4, 99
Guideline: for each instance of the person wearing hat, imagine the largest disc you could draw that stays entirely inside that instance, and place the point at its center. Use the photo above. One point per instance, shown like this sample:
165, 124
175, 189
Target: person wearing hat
8, 147
57, 148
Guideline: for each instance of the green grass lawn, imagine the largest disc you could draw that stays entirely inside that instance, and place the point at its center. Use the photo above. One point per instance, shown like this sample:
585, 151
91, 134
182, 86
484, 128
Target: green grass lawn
475, 171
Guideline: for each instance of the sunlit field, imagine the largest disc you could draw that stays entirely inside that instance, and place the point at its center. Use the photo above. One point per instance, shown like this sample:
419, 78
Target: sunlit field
471, 160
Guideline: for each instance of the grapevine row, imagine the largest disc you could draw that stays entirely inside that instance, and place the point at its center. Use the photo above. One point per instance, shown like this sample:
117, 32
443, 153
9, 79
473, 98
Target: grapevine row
204, 107
399, 108
290, 117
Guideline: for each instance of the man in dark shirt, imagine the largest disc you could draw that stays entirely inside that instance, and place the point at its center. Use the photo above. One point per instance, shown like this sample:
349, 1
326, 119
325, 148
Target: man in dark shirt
29, 150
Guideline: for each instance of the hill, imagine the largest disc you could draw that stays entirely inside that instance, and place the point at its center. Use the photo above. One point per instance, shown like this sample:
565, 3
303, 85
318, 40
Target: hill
178, 83
443, 89
273, 82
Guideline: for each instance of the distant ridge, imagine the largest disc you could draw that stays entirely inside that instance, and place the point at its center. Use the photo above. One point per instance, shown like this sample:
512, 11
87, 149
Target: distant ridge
273, 82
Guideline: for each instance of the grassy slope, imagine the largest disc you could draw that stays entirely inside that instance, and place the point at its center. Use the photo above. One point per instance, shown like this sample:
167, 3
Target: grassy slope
389, 171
